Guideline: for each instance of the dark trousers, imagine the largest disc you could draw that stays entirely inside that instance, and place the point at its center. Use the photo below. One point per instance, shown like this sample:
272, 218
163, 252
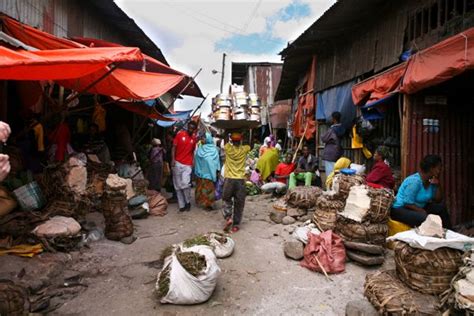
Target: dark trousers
233, 196
414, 218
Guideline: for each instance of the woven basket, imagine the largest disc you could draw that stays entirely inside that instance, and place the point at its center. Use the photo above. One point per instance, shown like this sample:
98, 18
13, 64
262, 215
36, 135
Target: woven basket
118, 223
391, 297
280, 205
426, 271
361, 232
13, 299
380, 203
325, 215
343, 183
303, 197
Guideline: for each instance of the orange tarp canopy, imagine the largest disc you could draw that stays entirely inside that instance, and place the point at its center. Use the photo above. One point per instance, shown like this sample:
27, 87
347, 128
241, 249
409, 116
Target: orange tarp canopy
133, 84
440, 62
379, 86
304, 121
60, 64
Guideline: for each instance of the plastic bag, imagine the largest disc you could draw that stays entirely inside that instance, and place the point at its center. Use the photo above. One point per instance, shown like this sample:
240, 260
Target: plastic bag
324, 251
186, 289
301, 233
222, 250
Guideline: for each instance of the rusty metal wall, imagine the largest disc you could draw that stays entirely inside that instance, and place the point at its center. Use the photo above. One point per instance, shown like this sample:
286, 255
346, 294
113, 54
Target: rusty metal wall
62, 18
280, 114
454, 143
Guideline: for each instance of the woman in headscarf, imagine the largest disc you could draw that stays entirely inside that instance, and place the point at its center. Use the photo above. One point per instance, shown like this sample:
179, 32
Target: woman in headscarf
268, 163
381, 173
155, 173
341, 163
267, 144
206, 166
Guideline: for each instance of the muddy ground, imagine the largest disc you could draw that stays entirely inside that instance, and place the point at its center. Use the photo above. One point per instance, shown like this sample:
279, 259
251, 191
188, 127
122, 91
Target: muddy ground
111, 278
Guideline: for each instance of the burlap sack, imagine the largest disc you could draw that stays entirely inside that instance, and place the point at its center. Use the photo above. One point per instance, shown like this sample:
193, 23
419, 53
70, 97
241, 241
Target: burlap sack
426, 271
361, 232
13, 299
391, 297
303, 197
158, 203
380, 203
118, 223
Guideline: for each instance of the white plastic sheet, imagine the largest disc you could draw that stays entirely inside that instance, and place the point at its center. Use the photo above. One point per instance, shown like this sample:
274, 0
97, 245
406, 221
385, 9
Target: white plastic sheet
301, 233
186, 289
452, 240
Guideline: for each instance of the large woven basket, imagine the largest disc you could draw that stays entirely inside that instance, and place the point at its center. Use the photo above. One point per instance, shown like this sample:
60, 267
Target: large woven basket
325, 215
380, 203
366, 232
426, 271
391, 297
118, 223
303, 197
13, 299
343, 183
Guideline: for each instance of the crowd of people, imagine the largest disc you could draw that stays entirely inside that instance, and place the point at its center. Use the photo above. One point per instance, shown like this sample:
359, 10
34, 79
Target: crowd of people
221, 168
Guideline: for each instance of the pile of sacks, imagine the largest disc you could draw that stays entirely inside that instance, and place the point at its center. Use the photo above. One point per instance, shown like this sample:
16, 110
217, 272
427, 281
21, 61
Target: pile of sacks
363, 223
461, 292
295, 205
190, 270
118, 223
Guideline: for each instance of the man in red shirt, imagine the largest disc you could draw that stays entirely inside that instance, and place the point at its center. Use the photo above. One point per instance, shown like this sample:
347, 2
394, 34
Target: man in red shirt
182, 155
284, 169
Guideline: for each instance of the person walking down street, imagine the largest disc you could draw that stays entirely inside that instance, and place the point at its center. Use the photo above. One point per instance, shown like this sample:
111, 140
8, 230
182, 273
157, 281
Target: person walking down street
420, 194
332, 139
305, 170
155, 174
206, 167
182, 155
234, 192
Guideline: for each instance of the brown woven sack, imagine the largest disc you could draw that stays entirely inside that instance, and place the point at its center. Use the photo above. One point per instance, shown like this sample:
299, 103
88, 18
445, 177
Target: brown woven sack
391, 297
361, 232
343, 184
118, 223
325, 215
303, 197
426, 271
380, 203
158, 203
13, 299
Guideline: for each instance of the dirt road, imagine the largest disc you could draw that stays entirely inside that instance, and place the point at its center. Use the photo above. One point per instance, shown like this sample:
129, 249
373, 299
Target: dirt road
256, 280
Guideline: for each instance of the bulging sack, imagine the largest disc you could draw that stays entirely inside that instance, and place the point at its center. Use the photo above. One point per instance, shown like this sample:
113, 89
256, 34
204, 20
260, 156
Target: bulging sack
183, 287
303, 197
223, 245
324, 251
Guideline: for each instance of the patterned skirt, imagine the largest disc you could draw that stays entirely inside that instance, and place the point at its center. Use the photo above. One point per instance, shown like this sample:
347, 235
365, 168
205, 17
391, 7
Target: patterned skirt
205, 193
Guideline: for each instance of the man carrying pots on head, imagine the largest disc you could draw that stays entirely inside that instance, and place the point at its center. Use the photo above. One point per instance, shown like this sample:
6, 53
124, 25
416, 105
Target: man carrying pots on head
234, 191
182, 155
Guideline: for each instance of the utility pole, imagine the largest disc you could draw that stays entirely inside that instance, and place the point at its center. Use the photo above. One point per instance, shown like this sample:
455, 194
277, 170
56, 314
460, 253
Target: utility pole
222, 72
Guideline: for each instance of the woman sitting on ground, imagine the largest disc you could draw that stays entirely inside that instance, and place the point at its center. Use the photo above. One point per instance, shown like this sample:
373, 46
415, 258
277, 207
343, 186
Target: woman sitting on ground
206, 166
381, 173
420, 194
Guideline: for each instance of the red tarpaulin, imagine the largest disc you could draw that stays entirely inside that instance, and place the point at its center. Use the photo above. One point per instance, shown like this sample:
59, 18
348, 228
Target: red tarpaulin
379, 86
305, 112
440, 62
140, 85
60, 64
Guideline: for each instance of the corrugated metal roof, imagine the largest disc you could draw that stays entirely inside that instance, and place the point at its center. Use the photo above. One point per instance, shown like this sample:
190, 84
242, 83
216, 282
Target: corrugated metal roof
131, 31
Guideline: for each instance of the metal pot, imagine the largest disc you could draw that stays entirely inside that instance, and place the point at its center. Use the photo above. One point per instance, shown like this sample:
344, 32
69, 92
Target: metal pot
240, 115
255, 117
223, 113
241, 99
223, 100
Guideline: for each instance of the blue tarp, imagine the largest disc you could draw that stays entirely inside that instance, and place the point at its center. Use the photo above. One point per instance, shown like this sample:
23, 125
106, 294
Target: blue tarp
338, 99
376, 110
165, 123
178, 116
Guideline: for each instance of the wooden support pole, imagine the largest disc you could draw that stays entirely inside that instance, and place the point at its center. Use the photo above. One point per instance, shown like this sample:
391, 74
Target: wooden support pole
405, 137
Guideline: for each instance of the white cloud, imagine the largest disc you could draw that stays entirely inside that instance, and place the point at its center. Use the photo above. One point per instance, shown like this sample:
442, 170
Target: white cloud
197, 25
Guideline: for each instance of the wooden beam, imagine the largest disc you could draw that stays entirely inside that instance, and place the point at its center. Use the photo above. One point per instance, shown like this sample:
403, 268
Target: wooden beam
405, 136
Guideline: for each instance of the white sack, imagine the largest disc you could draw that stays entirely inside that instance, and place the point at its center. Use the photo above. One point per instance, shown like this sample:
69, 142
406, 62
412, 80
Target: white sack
222, 250
301, 233
452, 240
186, 289
357, 203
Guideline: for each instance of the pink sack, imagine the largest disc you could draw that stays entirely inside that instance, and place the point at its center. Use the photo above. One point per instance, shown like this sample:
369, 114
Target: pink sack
157, 202
328, 249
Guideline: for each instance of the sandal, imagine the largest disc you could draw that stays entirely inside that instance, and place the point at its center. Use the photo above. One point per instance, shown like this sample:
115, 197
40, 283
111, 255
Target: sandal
235, 229
228, 224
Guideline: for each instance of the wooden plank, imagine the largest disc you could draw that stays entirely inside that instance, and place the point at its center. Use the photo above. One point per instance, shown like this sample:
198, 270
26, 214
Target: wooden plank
405, 136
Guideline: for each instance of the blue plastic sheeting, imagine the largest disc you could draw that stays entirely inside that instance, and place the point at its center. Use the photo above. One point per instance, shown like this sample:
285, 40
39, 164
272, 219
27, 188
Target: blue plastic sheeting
337, 99
165, 123
179, 116
376, 110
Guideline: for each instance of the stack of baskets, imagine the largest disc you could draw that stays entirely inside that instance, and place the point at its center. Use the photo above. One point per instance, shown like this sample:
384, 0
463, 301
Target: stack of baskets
343, 183
303, 197
118, 223
325, 215
426, 271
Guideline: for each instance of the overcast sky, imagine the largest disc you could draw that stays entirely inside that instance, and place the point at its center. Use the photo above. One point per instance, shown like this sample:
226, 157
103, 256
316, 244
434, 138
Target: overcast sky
193, 34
